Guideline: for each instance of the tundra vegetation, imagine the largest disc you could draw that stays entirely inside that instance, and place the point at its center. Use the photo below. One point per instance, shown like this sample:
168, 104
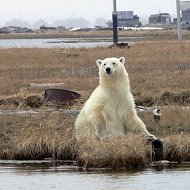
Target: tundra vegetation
159, 73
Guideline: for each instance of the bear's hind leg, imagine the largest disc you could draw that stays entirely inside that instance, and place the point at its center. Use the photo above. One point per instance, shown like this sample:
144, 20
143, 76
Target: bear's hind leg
99, 124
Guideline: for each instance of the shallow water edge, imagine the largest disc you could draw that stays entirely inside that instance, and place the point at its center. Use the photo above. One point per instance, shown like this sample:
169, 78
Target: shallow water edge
48, 175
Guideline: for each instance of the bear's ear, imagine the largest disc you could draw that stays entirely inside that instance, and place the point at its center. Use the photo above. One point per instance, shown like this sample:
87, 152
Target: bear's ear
122, 60
99, 62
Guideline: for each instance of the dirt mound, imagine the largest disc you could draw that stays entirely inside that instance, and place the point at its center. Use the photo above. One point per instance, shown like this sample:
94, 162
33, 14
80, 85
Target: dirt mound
30, 101
167, 98
182, 98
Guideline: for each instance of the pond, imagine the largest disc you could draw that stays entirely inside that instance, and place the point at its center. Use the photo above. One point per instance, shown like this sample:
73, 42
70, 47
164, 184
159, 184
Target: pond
41, 175
50, 43
63, 42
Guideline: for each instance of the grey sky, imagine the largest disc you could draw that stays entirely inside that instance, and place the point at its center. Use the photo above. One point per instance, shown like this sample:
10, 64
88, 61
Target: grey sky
51, 10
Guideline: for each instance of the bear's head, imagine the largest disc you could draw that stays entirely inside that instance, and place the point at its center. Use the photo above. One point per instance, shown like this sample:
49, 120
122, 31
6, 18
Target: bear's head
111, 67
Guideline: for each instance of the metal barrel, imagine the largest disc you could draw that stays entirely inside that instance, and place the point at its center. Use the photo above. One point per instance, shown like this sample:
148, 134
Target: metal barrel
60, 96
157, 145
157, 149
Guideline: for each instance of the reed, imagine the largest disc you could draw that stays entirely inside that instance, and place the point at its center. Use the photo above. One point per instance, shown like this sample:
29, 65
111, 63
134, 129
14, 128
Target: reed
116, 153
52, 135
40, 144
41, 137
177, 148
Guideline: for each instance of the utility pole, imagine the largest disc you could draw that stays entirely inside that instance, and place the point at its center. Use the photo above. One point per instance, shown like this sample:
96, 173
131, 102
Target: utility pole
114, 18
178, 20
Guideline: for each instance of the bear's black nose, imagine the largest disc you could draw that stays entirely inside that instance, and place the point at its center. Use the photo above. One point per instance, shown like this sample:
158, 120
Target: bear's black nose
108, 70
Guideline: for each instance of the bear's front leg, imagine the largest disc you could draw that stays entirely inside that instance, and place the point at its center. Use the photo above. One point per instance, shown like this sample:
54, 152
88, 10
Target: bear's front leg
137, 125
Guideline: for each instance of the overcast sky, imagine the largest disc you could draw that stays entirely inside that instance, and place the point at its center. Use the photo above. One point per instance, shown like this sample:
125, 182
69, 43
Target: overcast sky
50, 10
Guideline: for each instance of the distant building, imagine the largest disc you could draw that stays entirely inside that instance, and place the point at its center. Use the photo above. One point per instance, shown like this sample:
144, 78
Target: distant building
43, 27
125, 19
125, 14
160, 18
185, 17
15, 29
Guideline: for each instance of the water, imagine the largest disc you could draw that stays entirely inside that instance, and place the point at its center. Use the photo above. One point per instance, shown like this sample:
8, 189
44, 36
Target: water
53, 43
64, 42
45, 176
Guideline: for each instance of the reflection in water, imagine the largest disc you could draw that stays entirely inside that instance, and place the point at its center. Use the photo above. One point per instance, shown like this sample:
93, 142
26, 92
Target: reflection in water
49, 175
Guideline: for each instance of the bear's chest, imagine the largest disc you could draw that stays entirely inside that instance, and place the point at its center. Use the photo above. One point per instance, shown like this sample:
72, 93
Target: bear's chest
116, 106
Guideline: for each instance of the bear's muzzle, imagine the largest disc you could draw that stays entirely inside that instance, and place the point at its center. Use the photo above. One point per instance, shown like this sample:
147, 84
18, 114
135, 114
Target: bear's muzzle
108, 70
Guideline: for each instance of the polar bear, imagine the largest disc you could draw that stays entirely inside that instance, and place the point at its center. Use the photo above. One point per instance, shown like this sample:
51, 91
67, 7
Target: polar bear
110, 110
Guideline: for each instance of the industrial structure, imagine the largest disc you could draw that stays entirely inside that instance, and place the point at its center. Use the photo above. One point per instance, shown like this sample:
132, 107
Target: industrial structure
185, 17
125, 19
160, 18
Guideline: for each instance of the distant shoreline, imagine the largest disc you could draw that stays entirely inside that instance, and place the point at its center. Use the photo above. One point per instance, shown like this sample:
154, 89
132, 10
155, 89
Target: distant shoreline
154, 34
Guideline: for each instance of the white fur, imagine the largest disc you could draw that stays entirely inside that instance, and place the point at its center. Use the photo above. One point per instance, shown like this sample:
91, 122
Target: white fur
110, 110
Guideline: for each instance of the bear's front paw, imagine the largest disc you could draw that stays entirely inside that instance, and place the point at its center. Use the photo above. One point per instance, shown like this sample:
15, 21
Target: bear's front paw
105, 138
151, 138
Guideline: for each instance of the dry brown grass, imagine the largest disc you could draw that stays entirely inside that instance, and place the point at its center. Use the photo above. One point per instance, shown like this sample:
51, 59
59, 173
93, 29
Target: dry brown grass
39, 144
154, 68
57, 34
128, 152
174, 120
152, 35
177, 148
48, 135
51, 135
159, 74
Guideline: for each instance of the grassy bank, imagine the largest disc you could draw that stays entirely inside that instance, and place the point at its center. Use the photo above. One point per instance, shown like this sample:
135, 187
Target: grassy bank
51, 135
151, 34
159, 73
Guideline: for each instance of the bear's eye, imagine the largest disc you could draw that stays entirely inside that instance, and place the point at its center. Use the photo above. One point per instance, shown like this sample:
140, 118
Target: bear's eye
104, 64
114, 63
